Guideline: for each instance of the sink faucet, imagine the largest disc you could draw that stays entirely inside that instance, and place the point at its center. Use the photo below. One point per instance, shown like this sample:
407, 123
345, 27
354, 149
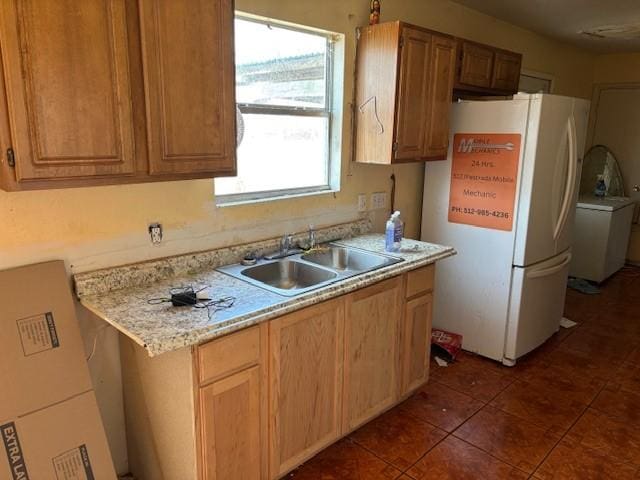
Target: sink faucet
285, 244
312, 238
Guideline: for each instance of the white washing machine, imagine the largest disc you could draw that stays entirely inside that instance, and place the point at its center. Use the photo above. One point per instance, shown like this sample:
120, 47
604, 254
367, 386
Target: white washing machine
601, 236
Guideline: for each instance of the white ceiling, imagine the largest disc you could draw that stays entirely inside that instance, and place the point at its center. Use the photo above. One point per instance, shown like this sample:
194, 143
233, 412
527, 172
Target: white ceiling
565, 19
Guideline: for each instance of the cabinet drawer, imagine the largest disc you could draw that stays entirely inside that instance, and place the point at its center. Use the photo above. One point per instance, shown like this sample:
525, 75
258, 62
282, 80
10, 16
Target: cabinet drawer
420, 280
229, 354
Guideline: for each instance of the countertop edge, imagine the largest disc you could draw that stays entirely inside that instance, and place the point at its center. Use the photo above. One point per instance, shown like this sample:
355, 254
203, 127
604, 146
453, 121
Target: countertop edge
89, 306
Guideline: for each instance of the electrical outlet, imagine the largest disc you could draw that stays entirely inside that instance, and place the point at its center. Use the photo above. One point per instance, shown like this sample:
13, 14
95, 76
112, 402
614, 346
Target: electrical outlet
155, 232
362, 202
378, 200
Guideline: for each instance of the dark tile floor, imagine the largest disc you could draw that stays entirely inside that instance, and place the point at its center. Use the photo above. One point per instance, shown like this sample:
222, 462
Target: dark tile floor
570, 410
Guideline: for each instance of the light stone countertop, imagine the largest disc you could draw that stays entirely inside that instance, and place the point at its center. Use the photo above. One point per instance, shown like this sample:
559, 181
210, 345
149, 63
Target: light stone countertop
163, 328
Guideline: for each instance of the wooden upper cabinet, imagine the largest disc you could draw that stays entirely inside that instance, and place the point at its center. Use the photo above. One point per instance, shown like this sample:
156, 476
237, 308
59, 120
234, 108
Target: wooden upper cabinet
115, 91
66, 67
506, 71
413, 95
372, 326
404, 83
376, 80
427, 69
187, 50
487, 70
476, 65
443, 61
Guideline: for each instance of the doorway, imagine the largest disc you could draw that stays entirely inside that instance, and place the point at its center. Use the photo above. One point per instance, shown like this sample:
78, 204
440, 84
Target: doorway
615, 123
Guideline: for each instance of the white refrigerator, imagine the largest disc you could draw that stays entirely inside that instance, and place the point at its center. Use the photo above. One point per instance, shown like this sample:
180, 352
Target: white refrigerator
504, 291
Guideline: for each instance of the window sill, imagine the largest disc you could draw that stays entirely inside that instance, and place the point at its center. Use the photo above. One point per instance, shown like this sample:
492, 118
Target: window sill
236, 200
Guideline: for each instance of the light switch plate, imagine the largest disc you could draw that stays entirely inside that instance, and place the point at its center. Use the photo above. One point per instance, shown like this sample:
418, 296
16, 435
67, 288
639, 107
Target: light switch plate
378, 200
362, 202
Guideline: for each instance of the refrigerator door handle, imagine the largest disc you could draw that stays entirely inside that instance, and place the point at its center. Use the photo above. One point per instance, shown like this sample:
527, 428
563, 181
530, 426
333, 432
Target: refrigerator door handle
551, 270
571, 177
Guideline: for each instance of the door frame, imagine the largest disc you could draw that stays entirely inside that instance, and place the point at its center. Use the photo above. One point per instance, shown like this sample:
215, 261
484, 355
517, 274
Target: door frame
542, 76
595, 100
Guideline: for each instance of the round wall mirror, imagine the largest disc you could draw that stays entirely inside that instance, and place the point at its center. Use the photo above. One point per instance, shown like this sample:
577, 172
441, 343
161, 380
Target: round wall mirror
599, 160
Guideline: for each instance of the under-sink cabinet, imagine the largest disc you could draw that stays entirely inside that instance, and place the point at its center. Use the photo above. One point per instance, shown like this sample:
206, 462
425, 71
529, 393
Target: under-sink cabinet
305, 378
258, 402
372, 340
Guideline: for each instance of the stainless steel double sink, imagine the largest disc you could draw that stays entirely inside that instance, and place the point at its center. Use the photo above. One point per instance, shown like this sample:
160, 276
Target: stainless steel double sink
299, 273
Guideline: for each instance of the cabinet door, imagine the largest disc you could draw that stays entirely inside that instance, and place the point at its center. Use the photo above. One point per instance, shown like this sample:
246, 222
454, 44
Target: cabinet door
230, 419
375, 93
506, 72
187, 49
305, 376
416, 342
443, 63
371, 351
413, 94
68, 89
476, 65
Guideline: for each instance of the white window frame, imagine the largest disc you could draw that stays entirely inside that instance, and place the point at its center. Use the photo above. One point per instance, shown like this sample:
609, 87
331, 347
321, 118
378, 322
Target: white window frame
332, 110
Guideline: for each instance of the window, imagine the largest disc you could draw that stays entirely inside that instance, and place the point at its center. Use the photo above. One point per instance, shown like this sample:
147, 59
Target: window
286, 108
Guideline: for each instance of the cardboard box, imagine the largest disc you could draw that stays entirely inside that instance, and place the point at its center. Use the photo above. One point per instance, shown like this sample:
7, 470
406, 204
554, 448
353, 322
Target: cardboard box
42, 357
65, 441
50, 426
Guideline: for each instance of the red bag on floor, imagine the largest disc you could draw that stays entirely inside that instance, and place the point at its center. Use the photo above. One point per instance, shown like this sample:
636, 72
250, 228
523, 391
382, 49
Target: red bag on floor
445, 345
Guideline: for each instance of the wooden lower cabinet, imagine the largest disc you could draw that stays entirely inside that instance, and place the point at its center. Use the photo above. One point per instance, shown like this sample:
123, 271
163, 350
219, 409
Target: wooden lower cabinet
305, 379
371, 351
230, 419
257, 403
416, 342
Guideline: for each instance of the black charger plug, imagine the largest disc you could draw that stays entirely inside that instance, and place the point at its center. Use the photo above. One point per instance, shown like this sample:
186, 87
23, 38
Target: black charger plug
184, 299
